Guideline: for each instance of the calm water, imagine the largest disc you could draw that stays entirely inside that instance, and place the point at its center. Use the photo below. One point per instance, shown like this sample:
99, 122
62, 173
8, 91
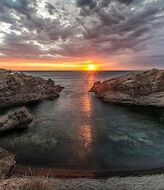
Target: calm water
79, 132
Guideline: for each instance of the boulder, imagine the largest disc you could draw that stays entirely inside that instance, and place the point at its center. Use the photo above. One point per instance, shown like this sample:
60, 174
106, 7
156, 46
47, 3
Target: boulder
18, 88
19, 118
142, 88
7, 163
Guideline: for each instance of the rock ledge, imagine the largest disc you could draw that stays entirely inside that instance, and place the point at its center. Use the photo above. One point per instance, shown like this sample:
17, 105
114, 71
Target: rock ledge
17, 88
143, 88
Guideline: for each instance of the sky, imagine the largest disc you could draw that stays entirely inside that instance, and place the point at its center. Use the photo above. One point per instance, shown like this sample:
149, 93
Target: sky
72, 34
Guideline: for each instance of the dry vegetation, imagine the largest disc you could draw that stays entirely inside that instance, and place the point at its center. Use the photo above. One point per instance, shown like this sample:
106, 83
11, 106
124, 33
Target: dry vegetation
37, 184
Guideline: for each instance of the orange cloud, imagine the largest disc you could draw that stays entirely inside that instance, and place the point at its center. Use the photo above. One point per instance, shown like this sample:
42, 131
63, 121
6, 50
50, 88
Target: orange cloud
57, 64
40, 64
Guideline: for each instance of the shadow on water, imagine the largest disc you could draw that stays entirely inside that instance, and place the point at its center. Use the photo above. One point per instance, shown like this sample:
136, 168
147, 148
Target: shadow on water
79, 132
8, 133
149, 112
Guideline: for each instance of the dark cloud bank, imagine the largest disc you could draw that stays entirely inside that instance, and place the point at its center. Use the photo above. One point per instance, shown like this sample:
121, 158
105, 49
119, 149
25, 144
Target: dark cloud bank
74, 28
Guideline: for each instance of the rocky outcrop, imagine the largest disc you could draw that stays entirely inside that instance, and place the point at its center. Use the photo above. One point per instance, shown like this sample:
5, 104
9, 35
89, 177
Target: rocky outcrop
143, 88
18, 88
7, 162
19, 118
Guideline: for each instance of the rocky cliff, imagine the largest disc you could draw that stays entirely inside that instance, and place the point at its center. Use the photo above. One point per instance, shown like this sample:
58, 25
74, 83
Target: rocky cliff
143, 88
18, 88
19, 118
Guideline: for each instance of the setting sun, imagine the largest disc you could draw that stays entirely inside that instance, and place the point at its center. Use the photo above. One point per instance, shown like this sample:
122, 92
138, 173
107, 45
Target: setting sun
91, 67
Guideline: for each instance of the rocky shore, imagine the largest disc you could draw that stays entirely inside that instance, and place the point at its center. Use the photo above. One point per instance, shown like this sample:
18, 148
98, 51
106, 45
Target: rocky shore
17, 88
143, 88
155, 182
7, 163
19, 118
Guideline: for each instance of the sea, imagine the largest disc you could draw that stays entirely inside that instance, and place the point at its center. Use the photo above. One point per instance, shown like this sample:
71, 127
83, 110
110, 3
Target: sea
79, 132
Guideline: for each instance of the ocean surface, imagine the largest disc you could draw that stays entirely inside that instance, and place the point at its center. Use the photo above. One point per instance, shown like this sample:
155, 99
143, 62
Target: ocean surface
78, 131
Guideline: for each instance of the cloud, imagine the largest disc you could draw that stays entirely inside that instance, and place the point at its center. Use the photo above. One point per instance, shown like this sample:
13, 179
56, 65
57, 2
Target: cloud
77, 28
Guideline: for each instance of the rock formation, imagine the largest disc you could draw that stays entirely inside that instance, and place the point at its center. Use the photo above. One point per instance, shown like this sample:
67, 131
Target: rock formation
18, 88
19, 118
7, 162
24, 183
143, 88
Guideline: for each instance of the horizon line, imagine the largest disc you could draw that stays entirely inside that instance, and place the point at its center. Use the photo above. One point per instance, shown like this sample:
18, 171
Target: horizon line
78, 70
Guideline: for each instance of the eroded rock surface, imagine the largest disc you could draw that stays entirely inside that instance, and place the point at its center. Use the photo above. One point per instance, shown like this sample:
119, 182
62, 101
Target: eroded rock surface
19, 118
18, 88
7, 162
143, 88
32, 183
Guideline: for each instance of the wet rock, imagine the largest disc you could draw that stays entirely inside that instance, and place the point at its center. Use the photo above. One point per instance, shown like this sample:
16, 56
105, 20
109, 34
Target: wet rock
18, 88
7, 163
19, 118
143, 88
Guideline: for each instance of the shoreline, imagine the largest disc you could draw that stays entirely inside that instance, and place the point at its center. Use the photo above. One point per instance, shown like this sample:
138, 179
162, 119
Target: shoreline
56, 173
154, 182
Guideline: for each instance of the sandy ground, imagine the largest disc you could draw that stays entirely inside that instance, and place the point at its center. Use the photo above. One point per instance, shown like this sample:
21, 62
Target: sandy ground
155, 182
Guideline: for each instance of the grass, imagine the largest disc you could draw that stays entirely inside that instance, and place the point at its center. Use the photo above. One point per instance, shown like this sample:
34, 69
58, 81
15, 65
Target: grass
37, 184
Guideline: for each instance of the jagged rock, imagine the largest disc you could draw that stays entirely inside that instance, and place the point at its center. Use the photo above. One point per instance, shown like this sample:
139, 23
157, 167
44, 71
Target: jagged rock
19, 118
143, 88
18, 88
7, 163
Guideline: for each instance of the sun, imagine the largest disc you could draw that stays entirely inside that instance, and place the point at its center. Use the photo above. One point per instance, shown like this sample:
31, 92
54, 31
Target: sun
91, 67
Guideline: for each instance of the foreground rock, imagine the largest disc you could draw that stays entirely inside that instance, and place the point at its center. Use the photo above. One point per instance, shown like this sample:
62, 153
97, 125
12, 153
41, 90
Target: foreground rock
19, 118
154, 182
32, 183
18, 88
144, 88
7, 162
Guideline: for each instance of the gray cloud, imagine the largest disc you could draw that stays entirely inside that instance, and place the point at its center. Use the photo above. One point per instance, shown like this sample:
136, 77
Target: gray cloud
78, 28
123, 26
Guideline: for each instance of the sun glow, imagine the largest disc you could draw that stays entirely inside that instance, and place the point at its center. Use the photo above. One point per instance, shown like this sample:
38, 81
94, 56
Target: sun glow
91, 67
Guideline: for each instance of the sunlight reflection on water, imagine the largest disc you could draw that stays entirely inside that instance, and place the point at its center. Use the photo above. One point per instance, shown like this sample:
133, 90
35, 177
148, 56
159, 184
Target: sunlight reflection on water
85, 131
85, 139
